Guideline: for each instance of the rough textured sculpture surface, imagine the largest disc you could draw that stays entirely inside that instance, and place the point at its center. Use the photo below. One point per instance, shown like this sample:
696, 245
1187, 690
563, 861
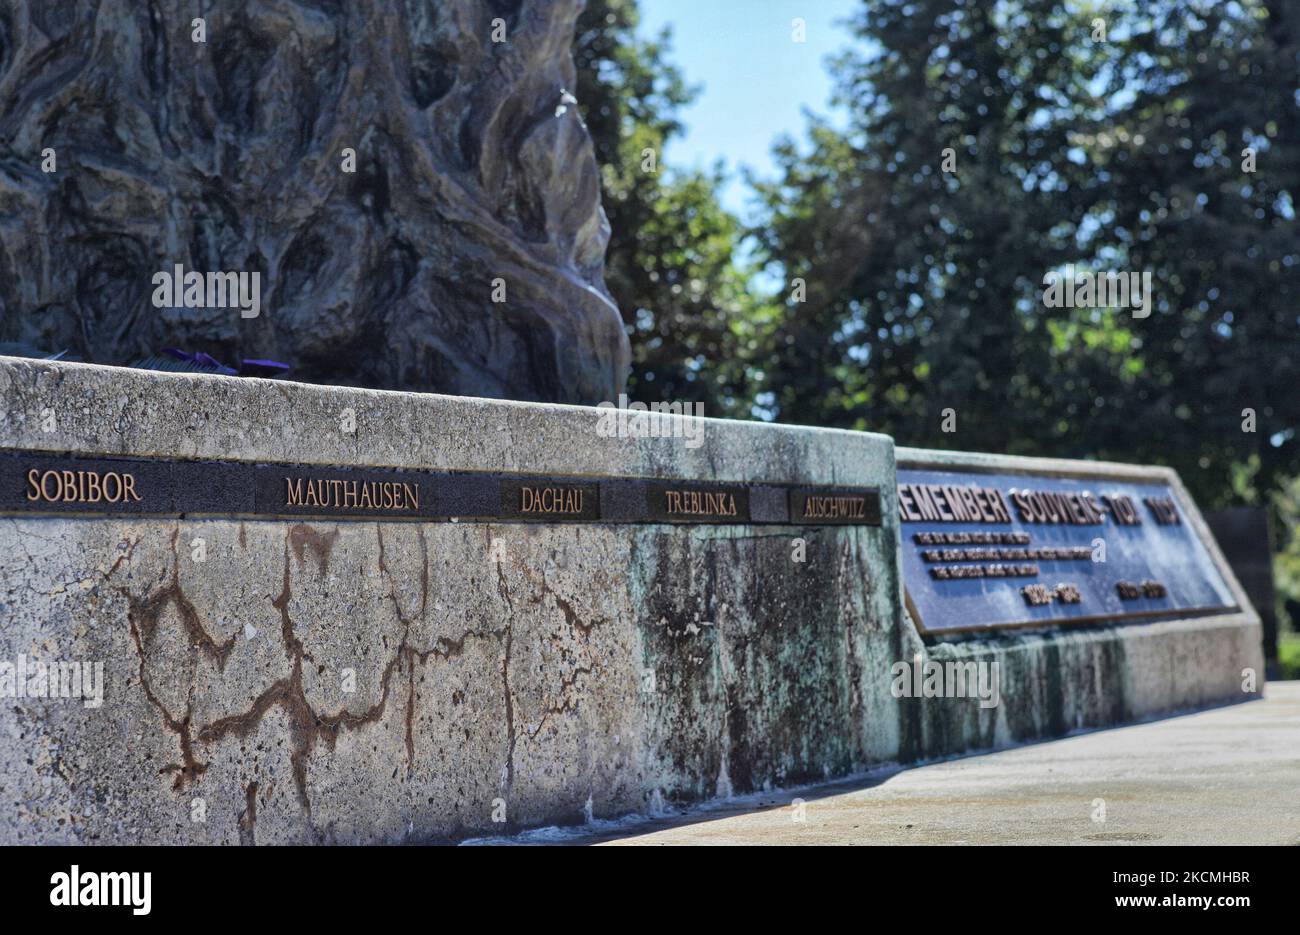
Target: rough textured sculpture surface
473, 173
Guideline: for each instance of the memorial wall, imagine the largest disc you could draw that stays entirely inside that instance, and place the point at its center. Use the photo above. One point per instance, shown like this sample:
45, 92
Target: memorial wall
237, 610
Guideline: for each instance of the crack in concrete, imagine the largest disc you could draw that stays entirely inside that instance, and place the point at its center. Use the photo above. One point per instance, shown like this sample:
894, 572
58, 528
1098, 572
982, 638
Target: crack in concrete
248, 817
508, 779
570, 615
306, 726
309, 728
568, 703
144, 616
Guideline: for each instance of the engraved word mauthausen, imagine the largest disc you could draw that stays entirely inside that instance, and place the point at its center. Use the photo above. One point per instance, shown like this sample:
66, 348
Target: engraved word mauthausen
351, 494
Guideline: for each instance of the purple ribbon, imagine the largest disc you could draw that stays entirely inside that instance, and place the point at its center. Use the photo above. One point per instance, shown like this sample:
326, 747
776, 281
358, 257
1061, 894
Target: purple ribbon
199, 358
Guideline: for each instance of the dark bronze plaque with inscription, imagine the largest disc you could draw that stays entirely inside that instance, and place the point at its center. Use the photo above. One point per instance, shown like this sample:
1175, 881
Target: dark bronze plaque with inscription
39, 482
835, 506
84, 485
695, 502
984, 550
550, 500
324, 492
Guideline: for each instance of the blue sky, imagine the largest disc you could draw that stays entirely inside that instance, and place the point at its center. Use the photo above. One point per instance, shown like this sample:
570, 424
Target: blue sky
755, 79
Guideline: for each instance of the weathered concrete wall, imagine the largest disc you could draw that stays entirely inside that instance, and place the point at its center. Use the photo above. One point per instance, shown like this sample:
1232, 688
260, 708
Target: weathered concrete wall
514, 673
499, 668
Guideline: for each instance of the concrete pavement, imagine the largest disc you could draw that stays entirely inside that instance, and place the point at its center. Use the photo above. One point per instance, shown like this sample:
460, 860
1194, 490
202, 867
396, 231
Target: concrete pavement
1229, 775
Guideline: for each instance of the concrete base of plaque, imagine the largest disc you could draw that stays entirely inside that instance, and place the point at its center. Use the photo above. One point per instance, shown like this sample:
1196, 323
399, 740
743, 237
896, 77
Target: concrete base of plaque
244, 611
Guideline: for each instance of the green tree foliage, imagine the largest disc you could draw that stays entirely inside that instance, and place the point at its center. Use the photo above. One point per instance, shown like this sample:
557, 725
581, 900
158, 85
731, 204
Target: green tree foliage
924, 287
926, 304
1200, 83
685, 302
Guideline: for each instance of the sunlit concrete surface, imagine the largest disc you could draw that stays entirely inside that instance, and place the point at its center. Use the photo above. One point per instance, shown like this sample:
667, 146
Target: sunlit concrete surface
1230, 775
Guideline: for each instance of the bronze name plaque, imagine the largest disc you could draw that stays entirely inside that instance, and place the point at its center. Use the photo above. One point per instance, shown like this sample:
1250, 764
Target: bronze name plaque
41, 483
546, 500
87, 487
835, 507
339, 494
689, 502
81, 485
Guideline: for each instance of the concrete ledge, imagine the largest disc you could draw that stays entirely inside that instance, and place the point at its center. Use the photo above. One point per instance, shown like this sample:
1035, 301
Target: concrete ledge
378, 681
277, 680
117, 410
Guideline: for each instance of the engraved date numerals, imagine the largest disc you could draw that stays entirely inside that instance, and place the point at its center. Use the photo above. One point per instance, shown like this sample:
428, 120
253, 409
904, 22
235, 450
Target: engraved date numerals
1149, 589
1039, 595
